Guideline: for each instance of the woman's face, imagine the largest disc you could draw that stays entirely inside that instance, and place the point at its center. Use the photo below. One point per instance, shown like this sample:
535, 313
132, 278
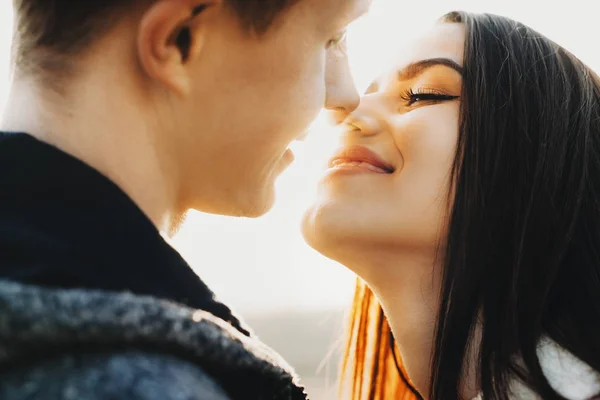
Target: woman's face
388, 184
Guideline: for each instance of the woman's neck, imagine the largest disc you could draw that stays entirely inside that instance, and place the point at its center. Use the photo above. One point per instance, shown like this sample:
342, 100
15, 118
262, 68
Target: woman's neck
408, 287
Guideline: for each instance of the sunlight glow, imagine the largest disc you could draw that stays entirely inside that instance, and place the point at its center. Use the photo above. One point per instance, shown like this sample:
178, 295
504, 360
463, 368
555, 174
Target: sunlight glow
264, 264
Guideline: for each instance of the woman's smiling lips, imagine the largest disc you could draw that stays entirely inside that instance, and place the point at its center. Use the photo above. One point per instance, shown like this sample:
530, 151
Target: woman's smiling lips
359, 159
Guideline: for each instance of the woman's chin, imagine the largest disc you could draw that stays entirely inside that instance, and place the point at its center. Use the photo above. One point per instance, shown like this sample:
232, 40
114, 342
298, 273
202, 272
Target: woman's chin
331, 230
343, 230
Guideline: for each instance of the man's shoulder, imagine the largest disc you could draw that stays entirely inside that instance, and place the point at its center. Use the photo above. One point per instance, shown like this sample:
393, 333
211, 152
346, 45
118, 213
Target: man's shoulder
131, 375
138, 333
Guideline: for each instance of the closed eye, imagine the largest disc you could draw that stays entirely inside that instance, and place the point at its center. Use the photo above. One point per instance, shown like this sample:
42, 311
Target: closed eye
338, 41
427, 95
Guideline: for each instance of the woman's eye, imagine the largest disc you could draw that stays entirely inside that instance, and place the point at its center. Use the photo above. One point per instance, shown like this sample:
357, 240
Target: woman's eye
337, 41
411, 97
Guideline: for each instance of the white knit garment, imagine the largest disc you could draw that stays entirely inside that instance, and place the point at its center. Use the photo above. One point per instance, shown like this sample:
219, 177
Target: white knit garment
567, 374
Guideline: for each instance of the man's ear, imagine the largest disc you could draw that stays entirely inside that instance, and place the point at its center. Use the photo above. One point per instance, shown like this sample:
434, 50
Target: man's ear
169, 35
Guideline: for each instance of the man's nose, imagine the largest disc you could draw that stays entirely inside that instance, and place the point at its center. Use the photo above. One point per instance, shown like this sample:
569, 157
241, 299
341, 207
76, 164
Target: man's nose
341, 96
341, 102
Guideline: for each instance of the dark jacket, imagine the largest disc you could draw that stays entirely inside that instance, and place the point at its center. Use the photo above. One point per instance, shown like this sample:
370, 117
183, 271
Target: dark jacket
94, 304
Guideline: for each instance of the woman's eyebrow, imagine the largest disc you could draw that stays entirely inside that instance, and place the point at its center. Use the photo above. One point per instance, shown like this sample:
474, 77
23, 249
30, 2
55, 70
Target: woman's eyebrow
416, 68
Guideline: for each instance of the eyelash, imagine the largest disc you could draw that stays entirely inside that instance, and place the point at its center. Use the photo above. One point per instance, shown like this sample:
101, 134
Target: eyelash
412, 97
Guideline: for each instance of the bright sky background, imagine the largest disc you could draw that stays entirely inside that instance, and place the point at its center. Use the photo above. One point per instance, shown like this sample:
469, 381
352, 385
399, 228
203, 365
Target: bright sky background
263, 264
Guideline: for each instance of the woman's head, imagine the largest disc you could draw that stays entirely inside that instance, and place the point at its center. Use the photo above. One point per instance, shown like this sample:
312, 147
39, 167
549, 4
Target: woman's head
498, 180
409, 120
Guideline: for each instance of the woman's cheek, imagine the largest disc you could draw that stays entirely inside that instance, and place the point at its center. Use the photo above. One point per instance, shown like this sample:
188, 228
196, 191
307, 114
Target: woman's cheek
428, 134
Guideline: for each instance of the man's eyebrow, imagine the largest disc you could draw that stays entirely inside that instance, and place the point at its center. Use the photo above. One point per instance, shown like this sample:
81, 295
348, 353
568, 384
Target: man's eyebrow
416, 68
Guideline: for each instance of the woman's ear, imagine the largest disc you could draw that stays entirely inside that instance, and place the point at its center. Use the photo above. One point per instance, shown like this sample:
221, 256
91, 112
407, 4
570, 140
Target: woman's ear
170, 35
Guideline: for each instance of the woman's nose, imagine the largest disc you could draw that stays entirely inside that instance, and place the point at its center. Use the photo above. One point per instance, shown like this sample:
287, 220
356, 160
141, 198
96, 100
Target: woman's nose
363, 123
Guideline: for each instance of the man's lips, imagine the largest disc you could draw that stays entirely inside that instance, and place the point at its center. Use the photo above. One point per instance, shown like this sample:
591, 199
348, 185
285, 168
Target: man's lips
360, 157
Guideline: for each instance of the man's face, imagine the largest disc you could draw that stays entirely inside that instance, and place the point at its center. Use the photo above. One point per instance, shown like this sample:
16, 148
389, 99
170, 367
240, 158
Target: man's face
252, 95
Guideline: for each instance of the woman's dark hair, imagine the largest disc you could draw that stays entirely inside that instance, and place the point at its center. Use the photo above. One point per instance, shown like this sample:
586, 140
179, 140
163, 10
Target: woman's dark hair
522, 256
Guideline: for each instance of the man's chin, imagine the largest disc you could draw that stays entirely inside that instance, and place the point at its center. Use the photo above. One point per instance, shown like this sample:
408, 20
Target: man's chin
260, 199
248, 205
260, 205
249, 201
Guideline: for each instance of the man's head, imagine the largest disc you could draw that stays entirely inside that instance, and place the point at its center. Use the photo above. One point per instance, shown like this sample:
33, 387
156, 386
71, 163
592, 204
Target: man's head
223, 86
